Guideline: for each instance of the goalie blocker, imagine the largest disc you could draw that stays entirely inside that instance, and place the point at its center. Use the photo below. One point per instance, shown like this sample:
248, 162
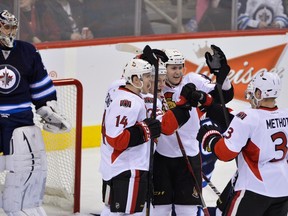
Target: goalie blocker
25, 182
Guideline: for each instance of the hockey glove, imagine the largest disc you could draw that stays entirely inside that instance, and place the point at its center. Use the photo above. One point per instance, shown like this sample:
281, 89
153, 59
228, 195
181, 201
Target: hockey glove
151, 128
185, 96
154, 127
159, 54
202, 98
208, 135
52, 120
217, 64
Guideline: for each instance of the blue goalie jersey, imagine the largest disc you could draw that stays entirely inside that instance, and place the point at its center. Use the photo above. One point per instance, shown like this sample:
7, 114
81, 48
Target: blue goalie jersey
23, 79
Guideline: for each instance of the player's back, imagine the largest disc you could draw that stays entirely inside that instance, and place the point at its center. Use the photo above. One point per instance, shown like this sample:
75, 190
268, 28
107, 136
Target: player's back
262, 162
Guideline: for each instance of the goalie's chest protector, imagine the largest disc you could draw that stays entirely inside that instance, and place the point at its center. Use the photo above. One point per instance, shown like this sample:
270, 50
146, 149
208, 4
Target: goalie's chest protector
123, 110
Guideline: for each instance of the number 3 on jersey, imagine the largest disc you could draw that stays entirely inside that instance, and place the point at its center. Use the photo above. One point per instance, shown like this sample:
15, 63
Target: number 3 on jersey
282, 146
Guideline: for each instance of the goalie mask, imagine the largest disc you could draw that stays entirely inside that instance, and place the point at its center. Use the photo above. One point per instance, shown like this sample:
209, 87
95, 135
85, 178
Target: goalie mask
268, 83
174, 56
136, 67
8, 29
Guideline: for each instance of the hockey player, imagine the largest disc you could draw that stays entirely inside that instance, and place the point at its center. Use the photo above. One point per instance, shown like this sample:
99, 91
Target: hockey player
24, 81
173, 183
126, 132
254, 14
257, 138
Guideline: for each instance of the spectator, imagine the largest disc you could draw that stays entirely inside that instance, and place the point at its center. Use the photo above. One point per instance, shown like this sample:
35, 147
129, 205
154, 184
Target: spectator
259, 14
109, 18
30, 13
66, 18
217, 16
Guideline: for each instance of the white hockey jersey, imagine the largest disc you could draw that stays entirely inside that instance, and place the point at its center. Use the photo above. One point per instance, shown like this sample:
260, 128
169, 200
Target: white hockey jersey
168, 145
259, 138
123, 109
254, 11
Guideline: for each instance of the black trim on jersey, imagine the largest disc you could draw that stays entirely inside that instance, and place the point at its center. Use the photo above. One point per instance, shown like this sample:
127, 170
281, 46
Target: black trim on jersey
227, 94
213, 139
181, 114
136, 136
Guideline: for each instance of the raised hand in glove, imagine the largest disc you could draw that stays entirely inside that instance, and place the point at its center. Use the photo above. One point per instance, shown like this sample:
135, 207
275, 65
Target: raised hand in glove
208, 135
185, 96
217, 64
151, 128
160, 55
156, 55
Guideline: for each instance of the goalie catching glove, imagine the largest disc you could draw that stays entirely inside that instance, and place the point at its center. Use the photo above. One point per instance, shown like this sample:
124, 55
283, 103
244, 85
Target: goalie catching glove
208, 135
217, 64
52, 120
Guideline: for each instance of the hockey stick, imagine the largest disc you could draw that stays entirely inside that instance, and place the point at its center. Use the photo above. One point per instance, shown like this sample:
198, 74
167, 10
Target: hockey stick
212, 186
220, 92
125, 47
189, 166
154, 61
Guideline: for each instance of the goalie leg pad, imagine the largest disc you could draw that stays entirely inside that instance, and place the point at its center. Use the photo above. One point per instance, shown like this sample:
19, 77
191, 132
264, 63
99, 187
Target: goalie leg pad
39, 211
27, 165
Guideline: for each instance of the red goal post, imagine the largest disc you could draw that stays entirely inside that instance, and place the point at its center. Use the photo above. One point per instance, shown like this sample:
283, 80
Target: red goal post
63, 184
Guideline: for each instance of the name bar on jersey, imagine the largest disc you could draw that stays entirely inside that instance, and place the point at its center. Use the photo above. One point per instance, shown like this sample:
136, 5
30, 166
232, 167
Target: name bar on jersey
276, 123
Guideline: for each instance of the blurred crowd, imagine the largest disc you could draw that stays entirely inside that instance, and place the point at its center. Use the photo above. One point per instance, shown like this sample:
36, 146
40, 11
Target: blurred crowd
56, 20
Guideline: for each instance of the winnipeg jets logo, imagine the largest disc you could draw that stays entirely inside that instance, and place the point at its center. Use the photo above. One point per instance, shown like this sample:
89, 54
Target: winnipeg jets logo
264, 14
9, 79
6, 78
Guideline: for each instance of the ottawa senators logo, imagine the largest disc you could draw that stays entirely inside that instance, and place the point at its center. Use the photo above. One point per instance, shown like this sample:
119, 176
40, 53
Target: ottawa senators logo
171, 104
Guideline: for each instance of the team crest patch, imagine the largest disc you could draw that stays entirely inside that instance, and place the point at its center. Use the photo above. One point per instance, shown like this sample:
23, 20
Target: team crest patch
9, 78
125, 103
148, 100
241, 115
171, 104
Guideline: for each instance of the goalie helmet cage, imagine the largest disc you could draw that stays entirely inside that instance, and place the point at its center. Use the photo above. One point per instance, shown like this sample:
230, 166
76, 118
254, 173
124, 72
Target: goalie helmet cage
63, 150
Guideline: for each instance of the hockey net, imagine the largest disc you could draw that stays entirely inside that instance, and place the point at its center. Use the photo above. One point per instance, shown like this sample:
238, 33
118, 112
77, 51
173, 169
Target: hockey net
64, 150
